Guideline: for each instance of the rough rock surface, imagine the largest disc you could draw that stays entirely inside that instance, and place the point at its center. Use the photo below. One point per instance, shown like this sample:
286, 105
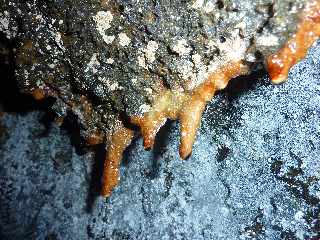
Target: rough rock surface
254, 173
104, 58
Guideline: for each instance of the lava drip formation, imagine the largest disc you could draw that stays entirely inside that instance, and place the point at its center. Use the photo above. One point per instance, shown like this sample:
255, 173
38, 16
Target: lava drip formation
189, 106
120, 140
296, 48
186, 107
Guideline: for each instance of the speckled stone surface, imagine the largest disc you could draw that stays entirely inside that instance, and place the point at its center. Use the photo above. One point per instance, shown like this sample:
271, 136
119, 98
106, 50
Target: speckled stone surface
254, 173
104, 59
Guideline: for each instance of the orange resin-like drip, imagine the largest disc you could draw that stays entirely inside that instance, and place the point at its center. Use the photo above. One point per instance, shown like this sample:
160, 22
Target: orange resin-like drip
167, 105
191, 112
308, 32
38, 94
187, 107
120, 140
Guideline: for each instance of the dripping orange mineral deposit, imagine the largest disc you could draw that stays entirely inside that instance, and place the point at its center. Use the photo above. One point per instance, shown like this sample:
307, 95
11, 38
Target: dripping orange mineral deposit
186, 107
295, 49
189, 106
120, 140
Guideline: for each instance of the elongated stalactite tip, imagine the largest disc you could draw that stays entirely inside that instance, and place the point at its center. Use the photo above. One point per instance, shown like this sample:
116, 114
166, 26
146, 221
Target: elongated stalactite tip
149, 126
308, 31
192, 110
188, 107
190, 119
120, 140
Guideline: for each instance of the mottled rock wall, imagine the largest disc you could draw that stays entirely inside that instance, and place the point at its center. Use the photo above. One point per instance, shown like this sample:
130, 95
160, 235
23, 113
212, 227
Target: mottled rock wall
102, 58
254, 173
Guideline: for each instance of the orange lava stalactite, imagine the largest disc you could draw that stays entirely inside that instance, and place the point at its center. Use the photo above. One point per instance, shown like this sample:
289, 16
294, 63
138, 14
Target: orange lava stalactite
187, 107
120, 140
167, 105
308, 32
191, 112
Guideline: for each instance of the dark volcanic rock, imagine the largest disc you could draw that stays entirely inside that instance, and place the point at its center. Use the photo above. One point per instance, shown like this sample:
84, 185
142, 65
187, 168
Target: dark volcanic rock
254, 173
103, 58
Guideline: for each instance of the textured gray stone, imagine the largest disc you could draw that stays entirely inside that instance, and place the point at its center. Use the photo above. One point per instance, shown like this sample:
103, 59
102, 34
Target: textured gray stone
122, 54
253, 174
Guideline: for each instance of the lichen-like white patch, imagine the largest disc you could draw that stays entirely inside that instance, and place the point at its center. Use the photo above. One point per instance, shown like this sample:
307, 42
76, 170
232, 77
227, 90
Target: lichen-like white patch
114, 86
110, 61
209, 7
142, 62
195, 72
232, 50
93, 64
124, 40
196, 58
5, 25
111, 86
148, 54
26, 82
211, 45
186, 70
52, 65
26, 74
181, 47
134, 80
58, 39
108, 39
4, 21
148, 90
39, 17
197, 4
250, 57
144, 108
299, 216
268, 41
241, 25
192, 72
201, 73
103, 21
150, 51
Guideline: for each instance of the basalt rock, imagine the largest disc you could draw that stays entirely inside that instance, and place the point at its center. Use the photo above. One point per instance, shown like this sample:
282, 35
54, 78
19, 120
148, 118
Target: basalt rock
100, 59
111, 63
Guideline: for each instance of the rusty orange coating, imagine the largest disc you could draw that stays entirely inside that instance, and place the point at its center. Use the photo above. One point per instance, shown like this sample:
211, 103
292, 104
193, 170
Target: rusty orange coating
120, 140
95, 138
167, 105
296, 48
187, 107
38, 94
191, 112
